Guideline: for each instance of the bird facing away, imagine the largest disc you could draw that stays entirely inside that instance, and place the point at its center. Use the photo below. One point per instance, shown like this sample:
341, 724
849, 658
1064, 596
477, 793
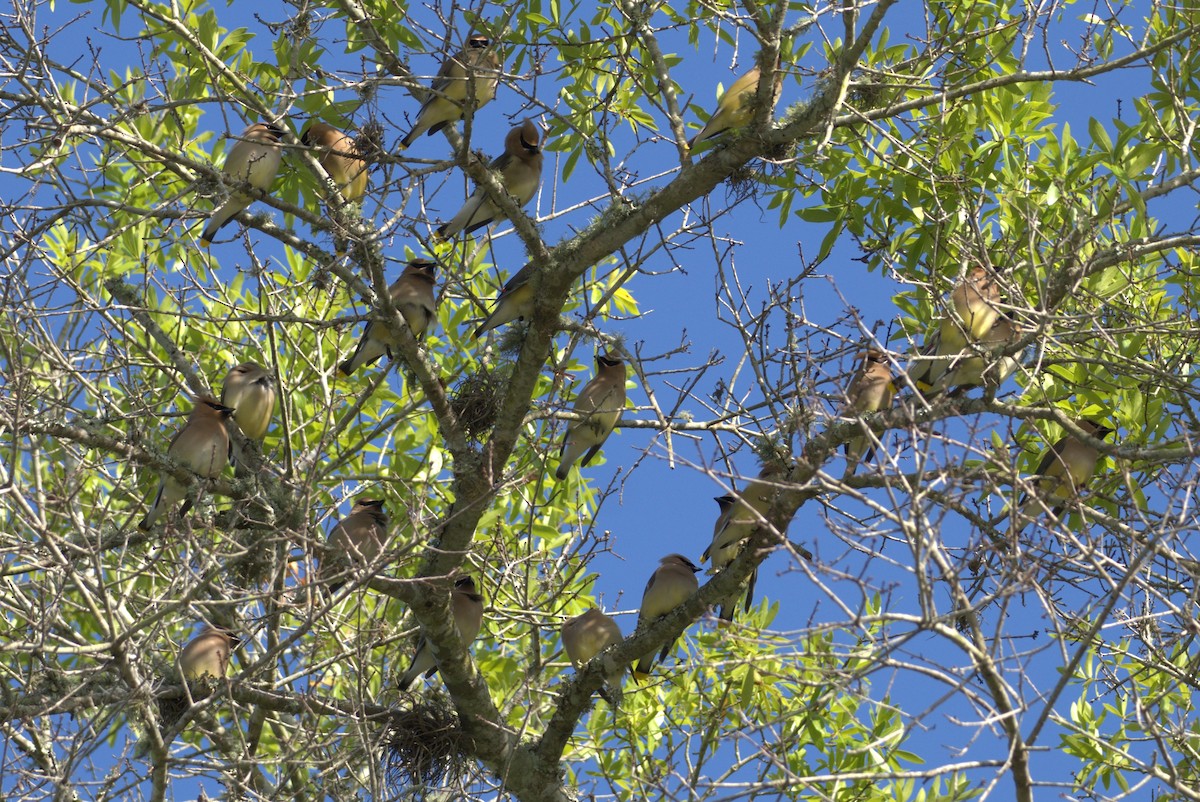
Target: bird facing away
871, 390
202, 446
588, 634
206, 656
514, 303
670, 586
519, 171
250, 392
358, 539
471, 77
723, 555
600, 403
412, 295
339, 156
254, 160
753, 503
735, 109
467, 606
1064, 471
974, 309
980, 365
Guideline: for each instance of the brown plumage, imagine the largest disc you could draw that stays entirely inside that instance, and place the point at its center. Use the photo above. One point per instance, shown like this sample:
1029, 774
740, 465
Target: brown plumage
722, 553
338, 154
519, 170
735, 109
253, 160
467, 606
206, 656
202, 446
1064, 471
470, 77
515, 301
250, 392
588, 634
752, 503
412, 295
974, 309
871, 390
669, 586
600, 401
358, 539
979, 365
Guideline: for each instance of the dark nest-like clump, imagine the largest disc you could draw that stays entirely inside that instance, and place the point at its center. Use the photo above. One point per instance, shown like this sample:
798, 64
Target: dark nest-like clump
425, 746
477, 400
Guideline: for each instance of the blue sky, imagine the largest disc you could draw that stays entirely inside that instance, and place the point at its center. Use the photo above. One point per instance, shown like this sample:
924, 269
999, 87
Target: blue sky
659, 508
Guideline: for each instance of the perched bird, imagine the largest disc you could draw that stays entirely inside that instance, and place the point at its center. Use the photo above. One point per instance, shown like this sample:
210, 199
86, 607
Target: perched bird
206, 656
600, 402
871, 390
254, 160
467, 606
471, 77
202, 446
723, 555
250, 392
412, 295
1064, 471
358, 539
588, 634
520, 173
201, 664
752, 504
735, 109
980, 365
974, 309
669, 586
339, 156
514, 303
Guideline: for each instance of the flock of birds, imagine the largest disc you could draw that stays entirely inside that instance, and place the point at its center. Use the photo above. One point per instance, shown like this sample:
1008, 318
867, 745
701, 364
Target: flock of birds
971, 347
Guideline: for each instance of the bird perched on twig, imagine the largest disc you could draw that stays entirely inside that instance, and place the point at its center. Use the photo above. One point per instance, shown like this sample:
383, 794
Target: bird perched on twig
466, 80
670, 586
735, 109
254, 160
202, 446
519, 170
467, 607
600, 403
412, 295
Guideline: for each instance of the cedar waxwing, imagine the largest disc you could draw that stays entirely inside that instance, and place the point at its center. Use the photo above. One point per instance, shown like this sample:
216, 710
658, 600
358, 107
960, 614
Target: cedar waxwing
467, 606
735, 109
1064, 471
979, 365
753, 502
514, 303
254, 160
206, 656
357, 539
339, 156
871, 390
723, 555
202, 663
202, 446
520, 173
470, 77
600, 402
250, 392
973, 311
588, 634
670, 586
412, 295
